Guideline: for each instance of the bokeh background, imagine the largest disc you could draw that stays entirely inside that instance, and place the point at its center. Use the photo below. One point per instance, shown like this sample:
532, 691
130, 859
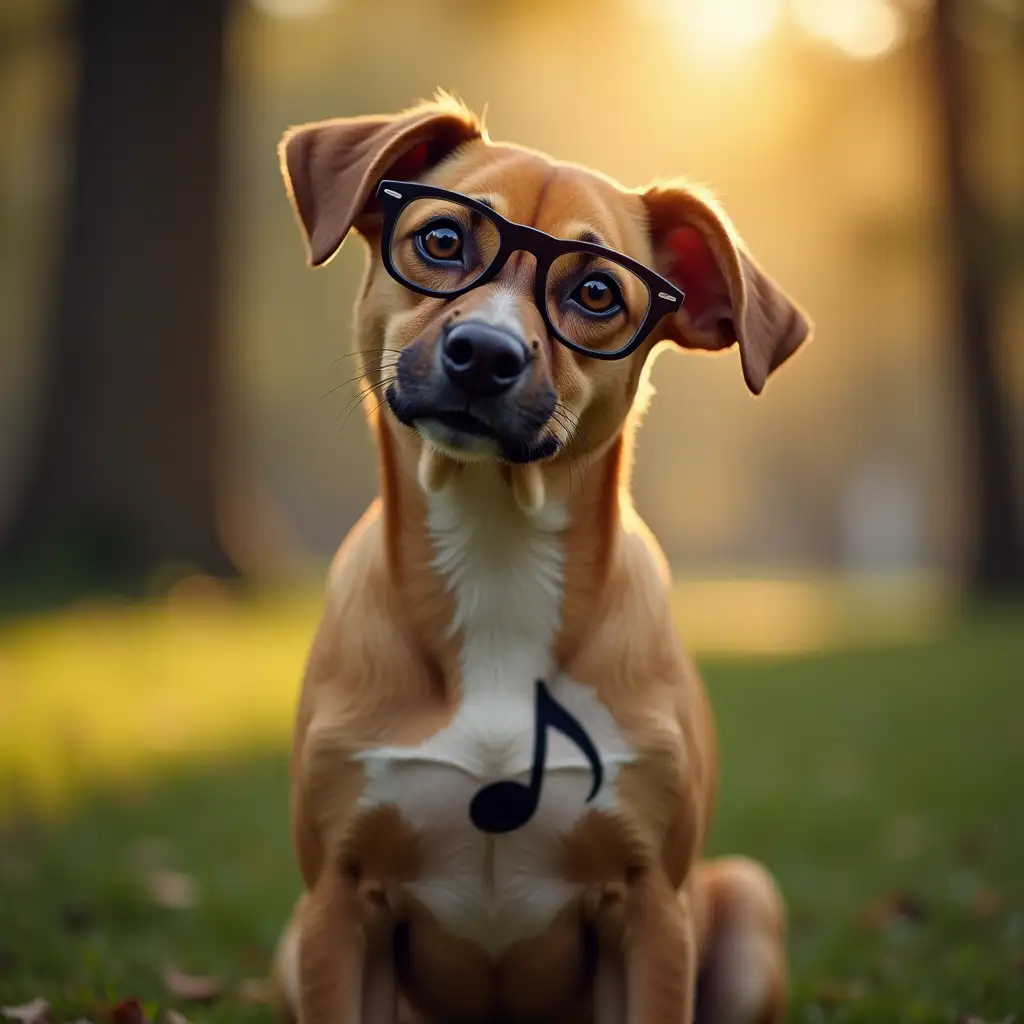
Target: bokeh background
182, 448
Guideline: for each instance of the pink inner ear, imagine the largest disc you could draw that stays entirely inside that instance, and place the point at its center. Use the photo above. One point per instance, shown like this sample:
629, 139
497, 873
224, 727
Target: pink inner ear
412, 164
692, 266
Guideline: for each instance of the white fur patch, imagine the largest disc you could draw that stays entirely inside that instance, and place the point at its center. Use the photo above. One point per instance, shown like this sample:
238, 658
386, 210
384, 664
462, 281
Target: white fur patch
743, 984
287, 966
502, 308
504, 568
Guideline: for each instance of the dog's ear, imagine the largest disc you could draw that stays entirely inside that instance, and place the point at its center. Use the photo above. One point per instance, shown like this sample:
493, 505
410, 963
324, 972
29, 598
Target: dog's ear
332, 168
729, 298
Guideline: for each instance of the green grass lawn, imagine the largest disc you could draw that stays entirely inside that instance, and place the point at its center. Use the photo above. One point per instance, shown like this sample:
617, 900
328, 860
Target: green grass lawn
883, 785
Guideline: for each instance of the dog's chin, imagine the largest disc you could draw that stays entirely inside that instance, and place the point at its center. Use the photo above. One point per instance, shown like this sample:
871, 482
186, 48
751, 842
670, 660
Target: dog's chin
461, 445
467, 438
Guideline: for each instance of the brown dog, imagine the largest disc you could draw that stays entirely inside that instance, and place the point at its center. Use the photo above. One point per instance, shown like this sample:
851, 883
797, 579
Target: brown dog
504, 763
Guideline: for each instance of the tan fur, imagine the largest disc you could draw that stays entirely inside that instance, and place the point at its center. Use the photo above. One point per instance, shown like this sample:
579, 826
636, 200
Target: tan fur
384, 667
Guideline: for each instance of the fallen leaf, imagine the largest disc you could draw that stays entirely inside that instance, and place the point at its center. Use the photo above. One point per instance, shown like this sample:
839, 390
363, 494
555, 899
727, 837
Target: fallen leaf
128, 1011
172, 890
35, 1011
972, 847
971, 1019
255, 955
192, 988
893, 909
257, 991
835, 994
987, 902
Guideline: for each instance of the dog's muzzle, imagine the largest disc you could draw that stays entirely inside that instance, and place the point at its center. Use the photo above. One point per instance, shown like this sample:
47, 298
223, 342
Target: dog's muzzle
471, 392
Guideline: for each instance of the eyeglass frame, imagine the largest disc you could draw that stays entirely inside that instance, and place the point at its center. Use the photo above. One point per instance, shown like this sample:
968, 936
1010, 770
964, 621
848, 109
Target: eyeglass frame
664, 297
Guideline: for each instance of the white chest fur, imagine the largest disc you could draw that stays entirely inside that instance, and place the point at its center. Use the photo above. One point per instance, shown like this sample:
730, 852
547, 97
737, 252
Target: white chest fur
505, 573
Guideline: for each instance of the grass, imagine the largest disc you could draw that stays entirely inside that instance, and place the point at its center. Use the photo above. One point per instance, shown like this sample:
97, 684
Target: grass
883, 784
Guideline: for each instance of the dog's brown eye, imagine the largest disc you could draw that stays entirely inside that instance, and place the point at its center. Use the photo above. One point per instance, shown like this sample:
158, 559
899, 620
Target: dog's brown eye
441, 241
599, 294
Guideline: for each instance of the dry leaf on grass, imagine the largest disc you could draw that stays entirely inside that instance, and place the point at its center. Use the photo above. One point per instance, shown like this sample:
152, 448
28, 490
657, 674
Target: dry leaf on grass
837, 993
987, 902
256, 991
128, 1011
173, 890
971, 847
192, 988
891, 910
35, 1011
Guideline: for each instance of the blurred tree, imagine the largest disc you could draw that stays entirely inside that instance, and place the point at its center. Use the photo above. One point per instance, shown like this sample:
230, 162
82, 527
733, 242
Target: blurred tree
130, 442
998, 548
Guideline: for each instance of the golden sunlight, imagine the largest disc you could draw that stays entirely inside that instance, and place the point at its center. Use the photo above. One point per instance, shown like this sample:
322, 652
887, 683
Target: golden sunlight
717, 29
862, 29
293, 8
726, 27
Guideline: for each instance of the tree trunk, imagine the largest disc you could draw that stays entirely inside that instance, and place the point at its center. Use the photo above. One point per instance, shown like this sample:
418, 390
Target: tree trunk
997, 555
131, 444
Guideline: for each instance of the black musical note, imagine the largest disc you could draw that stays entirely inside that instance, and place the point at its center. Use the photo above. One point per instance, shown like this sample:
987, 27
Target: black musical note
507, 805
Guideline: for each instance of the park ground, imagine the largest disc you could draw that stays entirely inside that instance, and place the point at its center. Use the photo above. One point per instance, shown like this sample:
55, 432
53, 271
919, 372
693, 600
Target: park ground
878, 771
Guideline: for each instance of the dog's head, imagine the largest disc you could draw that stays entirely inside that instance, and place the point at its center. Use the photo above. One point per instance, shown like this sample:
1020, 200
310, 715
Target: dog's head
511, 360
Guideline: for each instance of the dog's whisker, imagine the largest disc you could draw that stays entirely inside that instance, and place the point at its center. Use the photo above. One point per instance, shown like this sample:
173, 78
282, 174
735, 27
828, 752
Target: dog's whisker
560, 416
364, 352
344, 422
351, 380
360, 393
570, 422
377, 408
563, 443
562, 449
361, 375
357, 401
581, 433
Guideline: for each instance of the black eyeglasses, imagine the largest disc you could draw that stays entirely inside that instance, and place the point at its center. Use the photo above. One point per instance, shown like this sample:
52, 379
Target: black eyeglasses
595, 300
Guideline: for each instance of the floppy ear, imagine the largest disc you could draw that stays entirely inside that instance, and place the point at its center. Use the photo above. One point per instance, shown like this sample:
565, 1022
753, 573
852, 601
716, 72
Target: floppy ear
332, 168
729, 298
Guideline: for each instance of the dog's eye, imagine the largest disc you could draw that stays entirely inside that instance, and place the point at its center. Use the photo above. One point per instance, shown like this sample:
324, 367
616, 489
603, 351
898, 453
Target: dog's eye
599, 295
441, 241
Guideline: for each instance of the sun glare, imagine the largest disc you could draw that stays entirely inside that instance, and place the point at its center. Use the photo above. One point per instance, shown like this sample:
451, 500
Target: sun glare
724, 27
292, 9
715, 29
862, 29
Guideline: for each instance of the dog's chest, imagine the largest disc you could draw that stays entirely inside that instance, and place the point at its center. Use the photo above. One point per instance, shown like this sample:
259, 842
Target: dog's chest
506, 577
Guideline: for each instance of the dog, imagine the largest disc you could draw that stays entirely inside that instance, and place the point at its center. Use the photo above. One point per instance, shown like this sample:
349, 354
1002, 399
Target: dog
504, 762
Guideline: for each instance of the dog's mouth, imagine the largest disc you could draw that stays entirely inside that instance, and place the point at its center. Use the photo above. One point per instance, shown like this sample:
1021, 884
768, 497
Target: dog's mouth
462, 423
464, 434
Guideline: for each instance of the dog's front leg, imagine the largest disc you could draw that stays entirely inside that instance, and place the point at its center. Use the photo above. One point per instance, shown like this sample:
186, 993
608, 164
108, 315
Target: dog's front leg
346, 974
660, 954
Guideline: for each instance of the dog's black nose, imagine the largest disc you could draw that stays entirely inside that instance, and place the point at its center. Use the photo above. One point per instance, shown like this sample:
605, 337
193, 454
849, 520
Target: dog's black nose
482, 360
